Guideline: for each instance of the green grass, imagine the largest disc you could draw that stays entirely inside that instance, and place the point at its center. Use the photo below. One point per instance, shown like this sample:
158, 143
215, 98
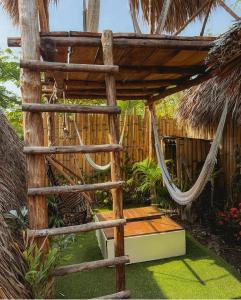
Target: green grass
199, 274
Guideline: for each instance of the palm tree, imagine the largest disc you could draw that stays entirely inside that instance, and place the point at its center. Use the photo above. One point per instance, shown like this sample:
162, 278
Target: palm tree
149, 175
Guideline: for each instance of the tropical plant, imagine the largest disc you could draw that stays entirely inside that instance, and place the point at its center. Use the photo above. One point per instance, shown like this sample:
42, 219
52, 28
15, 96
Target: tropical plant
166, 108
40, 264
9, 101
149, 177
17, 220
55, 218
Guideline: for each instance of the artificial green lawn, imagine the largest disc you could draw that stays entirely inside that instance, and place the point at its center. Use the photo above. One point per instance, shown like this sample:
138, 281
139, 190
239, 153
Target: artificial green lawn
199, 274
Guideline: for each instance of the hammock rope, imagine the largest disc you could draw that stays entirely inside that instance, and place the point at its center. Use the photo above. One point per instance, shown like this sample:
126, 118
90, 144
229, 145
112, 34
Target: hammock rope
183, 198
88, 156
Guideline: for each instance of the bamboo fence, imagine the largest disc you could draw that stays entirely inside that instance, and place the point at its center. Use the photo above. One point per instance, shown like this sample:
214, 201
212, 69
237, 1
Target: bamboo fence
191, 145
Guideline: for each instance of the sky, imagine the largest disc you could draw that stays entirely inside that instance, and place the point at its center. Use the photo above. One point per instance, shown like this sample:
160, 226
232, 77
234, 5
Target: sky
114, 15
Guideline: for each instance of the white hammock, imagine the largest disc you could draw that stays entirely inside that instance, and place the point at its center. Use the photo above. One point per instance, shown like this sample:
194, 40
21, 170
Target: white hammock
177, 195
87, 155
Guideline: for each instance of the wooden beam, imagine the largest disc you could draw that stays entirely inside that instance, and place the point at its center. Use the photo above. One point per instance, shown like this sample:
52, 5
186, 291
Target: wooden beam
72, 149
102, 92
164, 69
120, 295
56, 190
205, 3
117, 196
32, 122
103, 97
229, 10
122, 41
38, 65
92, 265
185, 85
71, 108
76, 228
120, 85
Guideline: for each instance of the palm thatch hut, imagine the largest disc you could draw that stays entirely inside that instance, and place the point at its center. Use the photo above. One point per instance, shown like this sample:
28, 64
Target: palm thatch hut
12, 196
202, 106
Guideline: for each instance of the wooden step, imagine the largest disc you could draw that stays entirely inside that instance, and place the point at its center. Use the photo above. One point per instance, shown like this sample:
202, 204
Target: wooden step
120, 295
87, 266
71, 108
73, 149
38, 65
55, 190
76, 228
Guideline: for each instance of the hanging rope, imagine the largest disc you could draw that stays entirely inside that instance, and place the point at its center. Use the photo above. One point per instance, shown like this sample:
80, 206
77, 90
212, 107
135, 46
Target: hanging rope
177, 195
163, 16
87, 155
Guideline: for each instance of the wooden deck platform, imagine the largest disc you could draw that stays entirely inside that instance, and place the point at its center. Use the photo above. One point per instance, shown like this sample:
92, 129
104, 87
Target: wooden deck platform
153, 236
148, 64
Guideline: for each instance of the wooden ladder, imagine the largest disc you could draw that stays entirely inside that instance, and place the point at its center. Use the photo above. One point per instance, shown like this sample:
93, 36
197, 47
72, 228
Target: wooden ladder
34, 150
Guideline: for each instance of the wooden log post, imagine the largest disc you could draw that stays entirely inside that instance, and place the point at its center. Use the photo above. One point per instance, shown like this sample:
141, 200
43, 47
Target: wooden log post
107, 44
32, 122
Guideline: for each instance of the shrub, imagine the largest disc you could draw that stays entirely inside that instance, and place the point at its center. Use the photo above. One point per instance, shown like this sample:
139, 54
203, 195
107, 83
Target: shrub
229, 224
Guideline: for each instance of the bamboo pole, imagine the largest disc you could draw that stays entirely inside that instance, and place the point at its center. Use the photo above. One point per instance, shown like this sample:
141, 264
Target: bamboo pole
107, 44
32, 122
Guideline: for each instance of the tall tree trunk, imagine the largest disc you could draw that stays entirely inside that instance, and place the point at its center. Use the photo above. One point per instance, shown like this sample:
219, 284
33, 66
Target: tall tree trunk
93, 15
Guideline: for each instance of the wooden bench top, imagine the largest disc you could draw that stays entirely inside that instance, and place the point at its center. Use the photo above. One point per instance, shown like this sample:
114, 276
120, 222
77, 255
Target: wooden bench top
158, 224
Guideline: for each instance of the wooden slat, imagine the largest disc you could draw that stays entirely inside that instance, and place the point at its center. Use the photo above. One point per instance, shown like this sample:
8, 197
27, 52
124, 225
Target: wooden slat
93, 265
73, 149
38, 65
77, 228
55, 190
121, 295
33, 107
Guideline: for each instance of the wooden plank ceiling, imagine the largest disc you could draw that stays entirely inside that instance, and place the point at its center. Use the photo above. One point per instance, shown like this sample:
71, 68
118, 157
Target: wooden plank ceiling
149, 64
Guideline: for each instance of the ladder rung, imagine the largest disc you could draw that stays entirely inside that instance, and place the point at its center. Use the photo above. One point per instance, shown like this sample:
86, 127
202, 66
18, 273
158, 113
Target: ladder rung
34, 107
73, 149
87, 266
76, 228
65, 67
120, 295
55, 190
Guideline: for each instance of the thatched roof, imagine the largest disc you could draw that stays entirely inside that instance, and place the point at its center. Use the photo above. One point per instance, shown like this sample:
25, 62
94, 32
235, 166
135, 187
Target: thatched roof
203, 105
11, 7
12, 196
180, 11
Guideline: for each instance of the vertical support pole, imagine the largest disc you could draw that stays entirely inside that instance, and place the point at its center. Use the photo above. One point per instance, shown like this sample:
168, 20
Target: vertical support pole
32, 122
107, 44
150, 142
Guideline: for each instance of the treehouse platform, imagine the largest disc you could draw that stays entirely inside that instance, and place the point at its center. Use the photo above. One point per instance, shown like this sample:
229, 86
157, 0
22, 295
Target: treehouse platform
149, 235
145, 66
